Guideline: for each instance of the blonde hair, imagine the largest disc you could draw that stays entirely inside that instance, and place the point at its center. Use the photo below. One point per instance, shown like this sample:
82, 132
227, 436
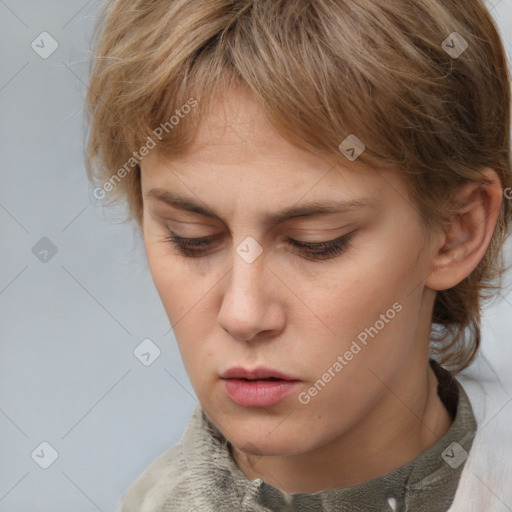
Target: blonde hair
321, 70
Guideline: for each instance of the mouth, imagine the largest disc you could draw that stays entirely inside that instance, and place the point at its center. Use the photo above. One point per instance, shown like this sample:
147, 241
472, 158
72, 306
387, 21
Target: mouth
261, 387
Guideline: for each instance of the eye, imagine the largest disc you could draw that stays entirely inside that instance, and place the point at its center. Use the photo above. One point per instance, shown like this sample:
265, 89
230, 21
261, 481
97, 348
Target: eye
198, 247
190, 247
322, 250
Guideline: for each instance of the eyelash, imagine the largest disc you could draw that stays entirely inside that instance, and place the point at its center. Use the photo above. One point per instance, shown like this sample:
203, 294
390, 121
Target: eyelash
313, 251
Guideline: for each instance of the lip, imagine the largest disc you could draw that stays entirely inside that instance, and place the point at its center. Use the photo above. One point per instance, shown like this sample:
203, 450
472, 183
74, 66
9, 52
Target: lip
247, 387
261, 372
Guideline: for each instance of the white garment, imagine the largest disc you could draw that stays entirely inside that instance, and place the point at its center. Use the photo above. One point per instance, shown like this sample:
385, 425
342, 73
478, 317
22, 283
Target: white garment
486, 481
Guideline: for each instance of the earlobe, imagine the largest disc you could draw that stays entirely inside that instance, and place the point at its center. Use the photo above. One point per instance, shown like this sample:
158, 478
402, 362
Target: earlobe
469, 233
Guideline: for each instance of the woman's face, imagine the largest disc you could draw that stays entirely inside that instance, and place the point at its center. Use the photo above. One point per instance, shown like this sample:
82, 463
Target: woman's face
348, 323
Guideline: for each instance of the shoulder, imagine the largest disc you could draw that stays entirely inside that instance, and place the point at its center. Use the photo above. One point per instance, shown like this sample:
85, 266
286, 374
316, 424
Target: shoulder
165, 472
486, 477
167, 483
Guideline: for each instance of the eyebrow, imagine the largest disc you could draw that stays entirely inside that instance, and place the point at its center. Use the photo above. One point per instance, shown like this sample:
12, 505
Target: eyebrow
310, 209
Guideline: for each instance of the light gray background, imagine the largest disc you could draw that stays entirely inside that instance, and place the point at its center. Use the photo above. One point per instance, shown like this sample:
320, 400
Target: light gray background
71, 321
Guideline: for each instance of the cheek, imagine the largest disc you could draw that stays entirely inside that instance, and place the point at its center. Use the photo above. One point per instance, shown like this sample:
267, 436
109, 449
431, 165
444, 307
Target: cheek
168, 266
366, 300
172, 278
353, 296
185, 298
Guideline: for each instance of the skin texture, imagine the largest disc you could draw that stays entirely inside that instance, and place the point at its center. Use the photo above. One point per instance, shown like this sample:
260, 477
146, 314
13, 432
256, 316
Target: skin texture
295, 315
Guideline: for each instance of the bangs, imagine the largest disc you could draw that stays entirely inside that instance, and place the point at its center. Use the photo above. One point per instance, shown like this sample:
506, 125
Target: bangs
319, 82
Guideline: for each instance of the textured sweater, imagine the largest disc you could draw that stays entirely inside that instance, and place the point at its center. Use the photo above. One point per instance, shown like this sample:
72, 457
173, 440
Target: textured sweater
199, 474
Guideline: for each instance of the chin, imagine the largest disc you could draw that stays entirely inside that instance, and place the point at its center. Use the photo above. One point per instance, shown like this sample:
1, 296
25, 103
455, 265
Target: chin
260, 431
282, 444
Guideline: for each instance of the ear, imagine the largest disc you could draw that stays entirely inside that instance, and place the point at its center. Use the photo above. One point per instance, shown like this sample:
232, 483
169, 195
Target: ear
467, 236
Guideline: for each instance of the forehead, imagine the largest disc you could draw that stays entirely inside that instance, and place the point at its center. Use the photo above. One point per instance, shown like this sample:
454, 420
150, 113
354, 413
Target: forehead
236, 132
237, 153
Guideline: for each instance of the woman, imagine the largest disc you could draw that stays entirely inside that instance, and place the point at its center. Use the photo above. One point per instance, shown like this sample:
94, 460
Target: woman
319, 186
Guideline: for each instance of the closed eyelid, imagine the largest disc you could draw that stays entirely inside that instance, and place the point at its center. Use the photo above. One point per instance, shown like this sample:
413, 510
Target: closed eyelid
298, 235
197, 247
307, 231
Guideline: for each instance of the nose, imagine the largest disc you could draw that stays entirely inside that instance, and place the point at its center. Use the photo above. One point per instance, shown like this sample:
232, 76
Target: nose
251, 308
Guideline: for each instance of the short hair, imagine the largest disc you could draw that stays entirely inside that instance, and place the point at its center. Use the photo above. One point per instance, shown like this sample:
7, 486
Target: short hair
423, 84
